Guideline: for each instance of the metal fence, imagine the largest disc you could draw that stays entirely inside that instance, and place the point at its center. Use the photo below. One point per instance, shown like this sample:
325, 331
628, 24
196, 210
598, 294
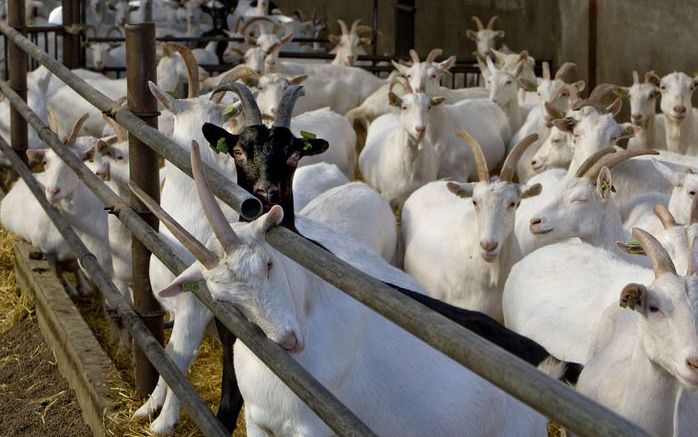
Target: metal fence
504, 370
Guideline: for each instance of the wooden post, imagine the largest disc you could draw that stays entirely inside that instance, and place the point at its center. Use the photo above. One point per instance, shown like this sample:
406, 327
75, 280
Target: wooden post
17, 64
404, 27
143, 162
593, 15
71, 33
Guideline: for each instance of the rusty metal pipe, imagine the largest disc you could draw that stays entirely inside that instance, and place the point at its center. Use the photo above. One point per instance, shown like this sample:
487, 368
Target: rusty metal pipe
17, 65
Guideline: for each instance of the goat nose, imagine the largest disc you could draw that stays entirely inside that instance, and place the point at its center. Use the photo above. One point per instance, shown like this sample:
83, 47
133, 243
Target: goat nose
488, 245
536, 221
420, 129
292, 342
692, 363
534, 163
635, 117
680, 109
269, 194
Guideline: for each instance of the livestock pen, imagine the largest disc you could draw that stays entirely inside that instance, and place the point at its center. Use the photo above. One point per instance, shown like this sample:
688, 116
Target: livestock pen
144, 321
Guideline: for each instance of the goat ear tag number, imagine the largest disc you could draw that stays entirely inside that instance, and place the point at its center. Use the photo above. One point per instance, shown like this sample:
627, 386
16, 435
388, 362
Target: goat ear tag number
306, 136
189, 286
231, 110
222, 145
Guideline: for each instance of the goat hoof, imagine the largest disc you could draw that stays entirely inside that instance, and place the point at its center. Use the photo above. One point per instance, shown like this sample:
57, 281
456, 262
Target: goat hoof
161, 426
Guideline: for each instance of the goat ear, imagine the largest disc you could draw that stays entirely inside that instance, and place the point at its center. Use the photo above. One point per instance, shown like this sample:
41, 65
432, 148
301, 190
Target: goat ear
500, 34
446, 64
366, 41
629, 130
89, 155
250, 41
295, 80
310, 146
188, 280
402, 69
580, 85
471, 34
525, 191
652, 78
166, 100
634, 297
268, 220
394, 100
463, 190
102, 147
675, 178
219, 139
527, 85
334, 39
604, 183
437, 100
565, 124
36, 155
286, 38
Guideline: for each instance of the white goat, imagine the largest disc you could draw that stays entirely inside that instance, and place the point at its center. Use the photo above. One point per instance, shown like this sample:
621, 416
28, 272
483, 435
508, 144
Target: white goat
105, 54
484, 37
680, 119
504, 86
643, 103
308, 318
469, 270
312, 180
350, 44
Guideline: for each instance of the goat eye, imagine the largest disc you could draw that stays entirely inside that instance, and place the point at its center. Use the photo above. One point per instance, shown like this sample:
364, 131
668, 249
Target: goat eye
512, 205
565, 95
269, 266
663, 87
475, 203
433, 76
404, 108
692, 193
409, 76
538, 94
508, 82
120, 158
654, 308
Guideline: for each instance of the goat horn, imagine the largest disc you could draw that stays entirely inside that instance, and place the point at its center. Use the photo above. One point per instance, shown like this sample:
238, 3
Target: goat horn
636, 77
194, 246
694, 211
664, 216
224, 233
509, 166
478, 23
92, 28
546, 71
354, 26
343, 26
590, 161
259, 21
565, 71
610, 161
400, 80
288, 101
249, 105
660, 259
119, 131
192, 68
490, 24
113, 28
237, 73
363, 28
588, 102
433, 54
414, 56
601, 91
483, 173
70, 138
52, 121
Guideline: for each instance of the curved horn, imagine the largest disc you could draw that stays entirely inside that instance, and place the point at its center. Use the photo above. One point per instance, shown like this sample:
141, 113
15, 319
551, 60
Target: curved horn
343, 26
52, 121
433, 54
363, 28
249, 105
601, 91
194, 246
546, 71
483, 173
664, 216
610, 161
259, 21
478, 23
660, 259
73, 135
288, 101
414, 56
92, 28
354, 26
224, 233
509, 166
120, 132
240, 72
192, 68
587, 102
490, 24
636, 77
113, 28
565, 72
400, 80
590, 161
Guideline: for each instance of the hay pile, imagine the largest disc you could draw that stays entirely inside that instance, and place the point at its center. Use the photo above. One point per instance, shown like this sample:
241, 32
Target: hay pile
14, 306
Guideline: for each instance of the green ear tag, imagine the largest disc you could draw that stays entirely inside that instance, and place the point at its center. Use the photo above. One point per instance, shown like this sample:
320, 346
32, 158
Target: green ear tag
172, 93
189, 286
231, 110
632, 299
222, 145
307, 145
634, 247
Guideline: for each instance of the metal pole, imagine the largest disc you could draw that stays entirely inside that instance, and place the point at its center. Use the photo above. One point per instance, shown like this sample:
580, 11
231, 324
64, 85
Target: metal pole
17, 64
143, 162
71, 33
593, 16
147, 11
374, 23
404, 27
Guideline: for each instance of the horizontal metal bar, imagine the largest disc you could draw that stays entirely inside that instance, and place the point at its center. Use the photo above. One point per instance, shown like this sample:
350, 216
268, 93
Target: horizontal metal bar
197, 39
196, 408
339, 418
242, 201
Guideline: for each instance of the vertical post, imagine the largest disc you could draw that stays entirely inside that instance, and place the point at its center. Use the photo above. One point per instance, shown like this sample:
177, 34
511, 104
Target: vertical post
404, 27
147, 11
374, 23
143, 162
593, 15
17, 64
71, 33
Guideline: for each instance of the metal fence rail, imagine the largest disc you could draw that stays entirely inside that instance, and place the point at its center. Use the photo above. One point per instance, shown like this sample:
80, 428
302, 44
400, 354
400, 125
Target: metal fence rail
508, 372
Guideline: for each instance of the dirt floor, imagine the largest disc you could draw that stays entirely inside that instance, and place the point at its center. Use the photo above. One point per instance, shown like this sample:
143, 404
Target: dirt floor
34, 398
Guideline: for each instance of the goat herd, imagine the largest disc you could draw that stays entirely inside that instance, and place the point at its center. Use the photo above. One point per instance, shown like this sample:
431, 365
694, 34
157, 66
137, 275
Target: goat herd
520, 218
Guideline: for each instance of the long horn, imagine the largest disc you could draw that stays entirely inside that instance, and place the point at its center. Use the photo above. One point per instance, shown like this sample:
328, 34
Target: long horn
483, 173
240, 72
259, 21
664, 216
224, 233
660, 259
192, 68
354, 26
617, 158
363, 29
433, 54
588, 102
546, 71
478, 23
288, 101
73, 135
565, 72
414, 56
194, 246
694, 211
249, 105
490, 24
636, 77
601, 91
402, 81
343, 26
509, 166
590, 161
52, 121
120, 132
